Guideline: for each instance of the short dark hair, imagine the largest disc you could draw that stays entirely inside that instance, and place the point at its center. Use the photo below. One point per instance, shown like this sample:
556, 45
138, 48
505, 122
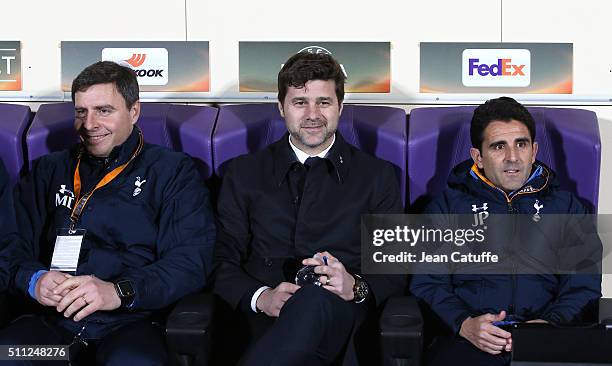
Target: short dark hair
502, 109
104, 72
305, 66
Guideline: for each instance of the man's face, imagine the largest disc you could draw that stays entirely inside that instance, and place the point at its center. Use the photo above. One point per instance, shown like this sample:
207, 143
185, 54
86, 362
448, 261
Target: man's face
102, 119
311, 115
507, 154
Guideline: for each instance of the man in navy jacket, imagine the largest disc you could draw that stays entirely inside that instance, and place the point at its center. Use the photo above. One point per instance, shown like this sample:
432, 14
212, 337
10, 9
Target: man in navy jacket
7, 228
503, 177
140, 214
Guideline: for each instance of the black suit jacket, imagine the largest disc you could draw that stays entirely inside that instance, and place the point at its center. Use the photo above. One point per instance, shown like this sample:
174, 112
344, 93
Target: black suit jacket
266, 227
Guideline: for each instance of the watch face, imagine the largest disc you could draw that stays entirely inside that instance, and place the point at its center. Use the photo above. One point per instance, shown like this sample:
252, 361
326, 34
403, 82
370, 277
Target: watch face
126, 289
360, 291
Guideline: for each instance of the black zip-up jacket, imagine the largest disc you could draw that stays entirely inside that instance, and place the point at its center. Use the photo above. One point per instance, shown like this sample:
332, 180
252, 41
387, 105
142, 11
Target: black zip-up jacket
152, 225
555, 298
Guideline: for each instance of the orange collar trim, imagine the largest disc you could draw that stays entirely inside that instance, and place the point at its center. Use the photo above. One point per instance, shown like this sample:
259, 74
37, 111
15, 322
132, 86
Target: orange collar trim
476, 171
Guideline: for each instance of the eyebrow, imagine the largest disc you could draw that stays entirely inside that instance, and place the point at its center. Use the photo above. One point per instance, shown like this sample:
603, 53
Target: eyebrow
98, 107
318, 99
504, 142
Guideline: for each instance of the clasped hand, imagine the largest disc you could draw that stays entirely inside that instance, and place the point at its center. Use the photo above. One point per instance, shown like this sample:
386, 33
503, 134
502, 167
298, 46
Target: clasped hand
334, 278
79, 295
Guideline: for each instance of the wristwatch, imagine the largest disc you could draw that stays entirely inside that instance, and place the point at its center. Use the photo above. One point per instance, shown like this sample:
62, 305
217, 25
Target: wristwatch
126, 292
360, 289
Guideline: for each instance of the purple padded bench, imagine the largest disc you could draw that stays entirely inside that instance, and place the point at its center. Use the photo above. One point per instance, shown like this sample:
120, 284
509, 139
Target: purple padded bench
185, 128
14, 120
246, 128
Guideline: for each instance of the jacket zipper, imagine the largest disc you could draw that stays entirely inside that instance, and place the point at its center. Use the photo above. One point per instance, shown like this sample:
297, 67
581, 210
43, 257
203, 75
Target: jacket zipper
512, 306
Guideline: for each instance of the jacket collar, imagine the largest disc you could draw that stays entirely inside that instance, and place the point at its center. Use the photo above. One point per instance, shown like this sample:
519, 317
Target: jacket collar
338, 158
537, 181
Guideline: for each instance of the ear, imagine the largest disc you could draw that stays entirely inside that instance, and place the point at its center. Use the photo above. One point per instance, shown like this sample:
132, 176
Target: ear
135, 112
535, 152
476, 156
280, 109
341, 106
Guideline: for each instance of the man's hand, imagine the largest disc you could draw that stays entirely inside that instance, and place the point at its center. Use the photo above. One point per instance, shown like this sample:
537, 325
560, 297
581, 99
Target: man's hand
486, 336
334, 277
271, 301
87, 294
45, 286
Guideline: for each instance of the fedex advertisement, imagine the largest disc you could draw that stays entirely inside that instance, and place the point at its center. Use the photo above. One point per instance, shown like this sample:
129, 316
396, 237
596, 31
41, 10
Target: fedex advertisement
496, 67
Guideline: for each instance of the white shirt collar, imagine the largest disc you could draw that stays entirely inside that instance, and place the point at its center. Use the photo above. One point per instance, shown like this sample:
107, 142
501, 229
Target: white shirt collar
302, 156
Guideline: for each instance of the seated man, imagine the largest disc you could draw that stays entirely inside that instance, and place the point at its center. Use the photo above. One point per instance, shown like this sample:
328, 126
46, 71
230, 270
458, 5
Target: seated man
7, 229
139, 216
504, 173
299, 202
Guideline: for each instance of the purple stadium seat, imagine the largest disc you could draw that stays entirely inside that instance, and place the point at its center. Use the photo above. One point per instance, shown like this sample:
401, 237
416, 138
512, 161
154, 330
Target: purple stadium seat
184, 128
439, 139
14, 120
246, 128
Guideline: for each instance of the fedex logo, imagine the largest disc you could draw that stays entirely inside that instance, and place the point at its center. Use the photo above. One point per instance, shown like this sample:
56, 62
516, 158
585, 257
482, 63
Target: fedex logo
496, 67
502, 67
149, 64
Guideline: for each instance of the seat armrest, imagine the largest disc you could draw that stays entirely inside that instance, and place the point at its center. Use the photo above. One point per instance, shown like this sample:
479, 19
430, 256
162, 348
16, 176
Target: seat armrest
4, 309
401, 331
605, 311
188, 326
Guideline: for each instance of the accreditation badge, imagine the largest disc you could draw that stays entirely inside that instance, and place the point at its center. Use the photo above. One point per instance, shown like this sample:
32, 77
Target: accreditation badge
67, 249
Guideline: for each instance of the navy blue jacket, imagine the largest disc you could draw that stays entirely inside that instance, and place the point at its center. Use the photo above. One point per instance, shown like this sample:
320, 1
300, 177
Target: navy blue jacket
555, 298
152, 225
7, 228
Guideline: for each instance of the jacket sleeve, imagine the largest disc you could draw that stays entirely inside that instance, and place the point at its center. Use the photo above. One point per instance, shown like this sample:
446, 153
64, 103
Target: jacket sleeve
184, 244
31, 215
8, 228
387, 200
231, 282
577, 294
437, 290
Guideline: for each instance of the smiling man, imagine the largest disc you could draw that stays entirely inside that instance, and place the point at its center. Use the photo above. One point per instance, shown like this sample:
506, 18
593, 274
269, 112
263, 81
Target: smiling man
503, 177
102, 118
299, 202
113, 229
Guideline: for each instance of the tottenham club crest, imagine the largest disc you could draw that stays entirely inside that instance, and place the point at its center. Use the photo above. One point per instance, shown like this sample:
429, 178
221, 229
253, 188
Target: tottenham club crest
538, 206
138, 183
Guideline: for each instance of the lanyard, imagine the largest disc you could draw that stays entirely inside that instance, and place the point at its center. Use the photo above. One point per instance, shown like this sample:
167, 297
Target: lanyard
81, 201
